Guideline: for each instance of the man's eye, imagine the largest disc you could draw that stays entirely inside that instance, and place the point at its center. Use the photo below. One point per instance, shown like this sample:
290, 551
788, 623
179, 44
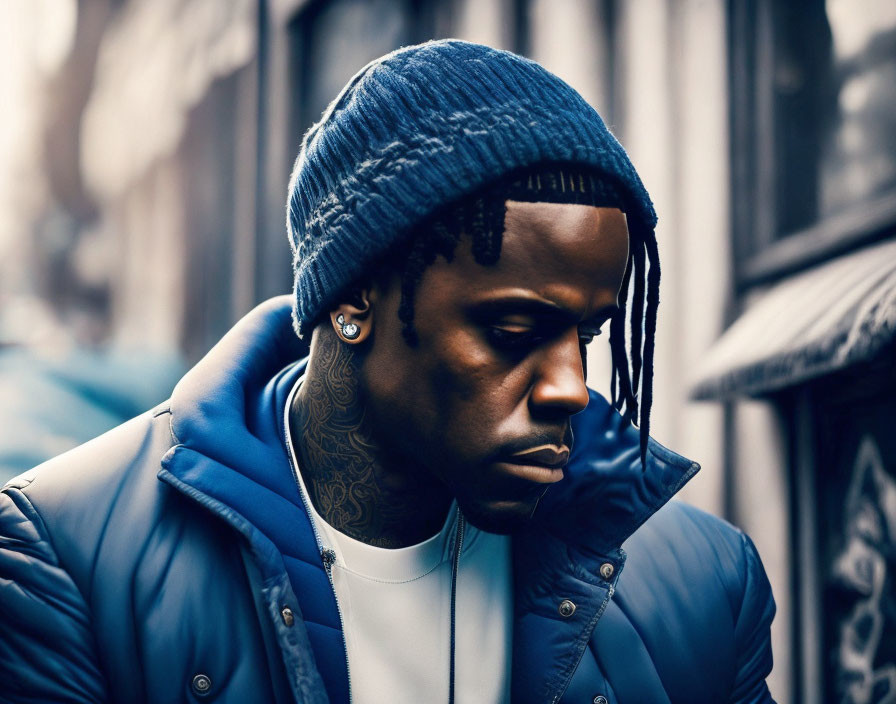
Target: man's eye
523, 338
505, 339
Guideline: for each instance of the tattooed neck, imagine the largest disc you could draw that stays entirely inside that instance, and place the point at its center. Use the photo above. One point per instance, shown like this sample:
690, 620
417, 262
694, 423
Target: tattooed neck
352, 484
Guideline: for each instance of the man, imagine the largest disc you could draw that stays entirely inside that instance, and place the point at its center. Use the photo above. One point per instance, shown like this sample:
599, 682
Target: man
432, 506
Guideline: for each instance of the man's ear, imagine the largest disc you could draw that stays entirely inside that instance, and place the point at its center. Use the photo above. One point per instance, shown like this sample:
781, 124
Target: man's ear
351, 319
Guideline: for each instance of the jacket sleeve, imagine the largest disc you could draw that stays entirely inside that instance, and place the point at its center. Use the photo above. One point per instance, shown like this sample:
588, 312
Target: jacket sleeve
753, 632
47, 647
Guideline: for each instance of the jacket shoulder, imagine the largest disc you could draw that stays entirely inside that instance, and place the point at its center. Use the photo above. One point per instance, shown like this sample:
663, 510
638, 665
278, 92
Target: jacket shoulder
88, 468
53, 521
695, 580
110, 480
47, 641
690, 534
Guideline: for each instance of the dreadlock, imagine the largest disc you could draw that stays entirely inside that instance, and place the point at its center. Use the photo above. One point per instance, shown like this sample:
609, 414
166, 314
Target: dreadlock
481, 216
642, 280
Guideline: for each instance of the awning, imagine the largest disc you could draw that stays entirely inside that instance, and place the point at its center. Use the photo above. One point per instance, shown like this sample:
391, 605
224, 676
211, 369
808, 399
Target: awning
812, 324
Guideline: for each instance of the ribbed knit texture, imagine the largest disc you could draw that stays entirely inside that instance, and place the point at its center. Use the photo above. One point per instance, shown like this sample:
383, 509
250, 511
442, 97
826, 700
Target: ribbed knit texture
419, 128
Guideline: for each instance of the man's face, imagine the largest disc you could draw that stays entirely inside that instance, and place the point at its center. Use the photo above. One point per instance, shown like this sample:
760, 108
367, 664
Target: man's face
483, 401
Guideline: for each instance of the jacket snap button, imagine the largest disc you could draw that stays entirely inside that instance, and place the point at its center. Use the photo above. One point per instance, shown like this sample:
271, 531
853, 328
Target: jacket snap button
606, 570
288, 617
566, 608
600, 699
201, 685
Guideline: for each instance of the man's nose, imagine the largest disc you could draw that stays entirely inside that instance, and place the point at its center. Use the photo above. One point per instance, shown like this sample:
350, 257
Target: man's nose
560, 384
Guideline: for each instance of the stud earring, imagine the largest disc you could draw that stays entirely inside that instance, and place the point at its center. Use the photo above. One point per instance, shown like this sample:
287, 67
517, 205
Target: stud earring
349, 330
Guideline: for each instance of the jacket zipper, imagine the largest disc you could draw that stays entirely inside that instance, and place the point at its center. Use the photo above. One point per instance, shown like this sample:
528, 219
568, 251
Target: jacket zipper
327, 555
455, 565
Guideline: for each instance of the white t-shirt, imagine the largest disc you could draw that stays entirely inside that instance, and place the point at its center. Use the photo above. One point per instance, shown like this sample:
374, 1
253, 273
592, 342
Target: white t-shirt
396, 612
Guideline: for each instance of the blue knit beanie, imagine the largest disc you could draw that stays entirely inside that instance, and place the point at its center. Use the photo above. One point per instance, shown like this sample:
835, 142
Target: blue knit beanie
417, 129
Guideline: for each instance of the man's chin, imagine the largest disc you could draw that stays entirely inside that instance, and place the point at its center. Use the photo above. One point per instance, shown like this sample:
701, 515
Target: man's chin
499, 517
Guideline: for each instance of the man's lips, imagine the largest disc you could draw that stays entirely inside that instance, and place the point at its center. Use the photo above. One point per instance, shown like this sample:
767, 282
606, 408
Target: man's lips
551, 456
541, 465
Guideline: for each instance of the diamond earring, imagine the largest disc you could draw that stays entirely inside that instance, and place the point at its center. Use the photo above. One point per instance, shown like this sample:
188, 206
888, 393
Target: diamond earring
349, 330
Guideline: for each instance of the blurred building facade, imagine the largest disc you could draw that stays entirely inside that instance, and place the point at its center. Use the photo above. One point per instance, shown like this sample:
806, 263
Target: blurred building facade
764, 131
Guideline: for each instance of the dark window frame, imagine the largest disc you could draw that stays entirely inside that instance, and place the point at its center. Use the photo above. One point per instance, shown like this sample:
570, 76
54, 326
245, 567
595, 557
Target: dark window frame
759, 256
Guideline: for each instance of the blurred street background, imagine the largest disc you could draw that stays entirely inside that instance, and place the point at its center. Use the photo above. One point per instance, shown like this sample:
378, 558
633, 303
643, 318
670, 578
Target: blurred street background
145, 147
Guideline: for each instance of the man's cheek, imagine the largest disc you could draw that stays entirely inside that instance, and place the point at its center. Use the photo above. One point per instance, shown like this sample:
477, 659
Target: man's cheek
470, 431
465, 365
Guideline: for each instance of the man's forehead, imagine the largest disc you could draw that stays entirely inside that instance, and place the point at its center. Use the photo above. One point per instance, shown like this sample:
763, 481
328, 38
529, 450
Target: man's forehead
558, 237
566, 255
551, 225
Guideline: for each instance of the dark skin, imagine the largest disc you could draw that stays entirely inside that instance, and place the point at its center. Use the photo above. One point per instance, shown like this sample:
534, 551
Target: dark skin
479, 410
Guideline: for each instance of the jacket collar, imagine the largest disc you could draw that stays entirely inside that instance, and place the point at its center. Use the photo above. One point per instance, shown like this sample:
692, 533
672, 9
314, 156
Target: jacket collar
227, 422
606, 492
229, 388
571, 552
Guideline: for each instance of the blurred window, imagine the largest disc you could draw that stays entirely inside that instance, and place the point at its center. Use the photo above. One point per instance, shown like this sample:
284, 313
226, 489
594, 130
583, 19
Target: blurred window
834, 80
857, 149
814, 129
208, 161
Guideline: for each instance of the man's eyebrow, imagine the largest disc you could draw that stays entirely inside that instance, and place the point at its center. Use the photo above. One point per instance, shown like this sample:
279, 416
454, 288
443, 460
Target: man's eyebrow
504, 305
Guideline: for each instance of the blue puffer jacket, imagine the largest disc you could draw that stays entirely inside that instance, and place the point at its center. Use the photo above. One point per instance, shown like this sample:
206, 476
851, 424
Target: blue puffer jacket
157, 563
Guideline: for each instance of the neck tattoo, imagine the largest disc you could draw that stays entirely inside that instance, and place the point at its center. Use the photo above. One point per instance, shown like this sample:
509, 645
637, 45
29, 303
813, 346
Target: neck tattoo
351, 485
